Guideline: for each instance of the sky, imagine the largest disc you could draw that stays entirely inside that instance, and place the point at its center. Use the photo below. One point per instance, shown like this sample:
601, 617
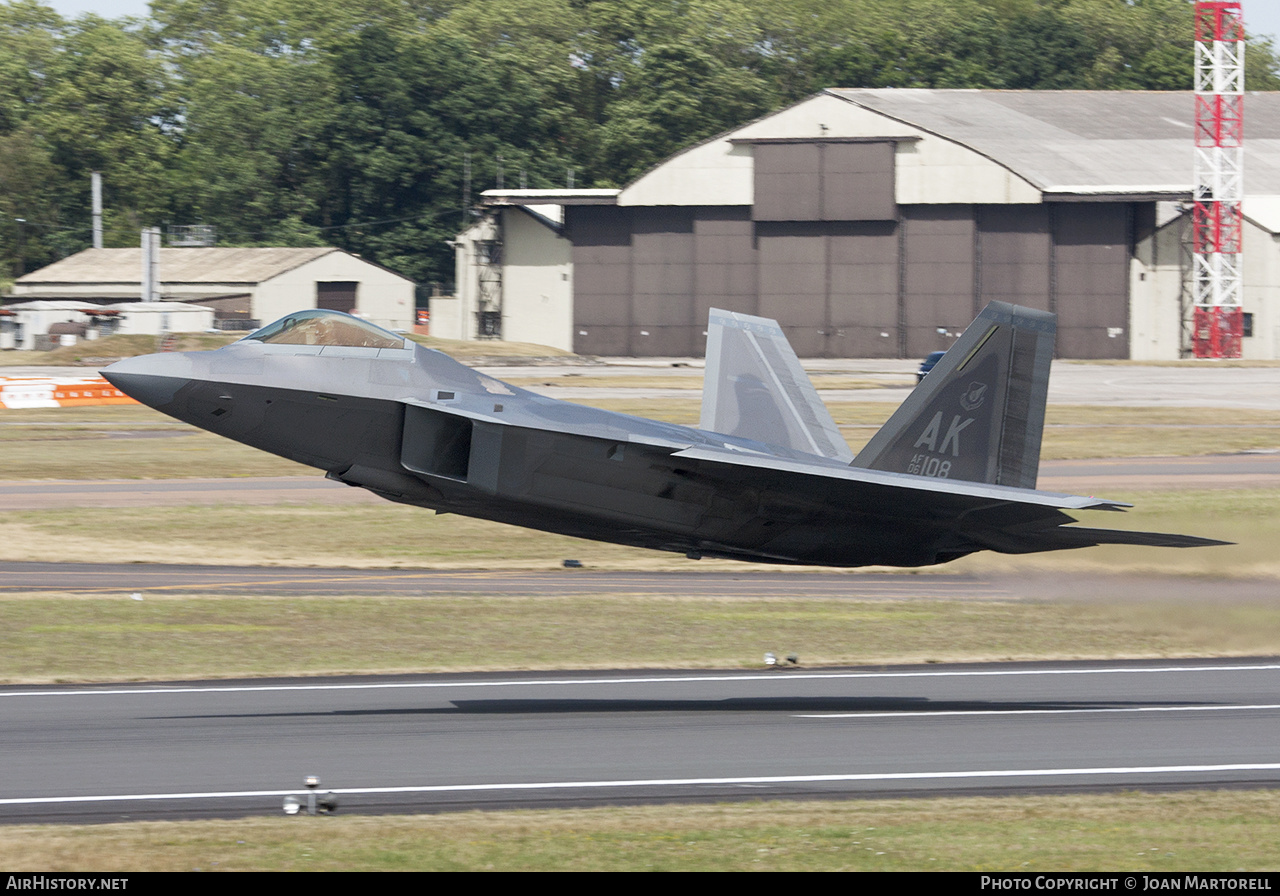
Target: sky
1260, 16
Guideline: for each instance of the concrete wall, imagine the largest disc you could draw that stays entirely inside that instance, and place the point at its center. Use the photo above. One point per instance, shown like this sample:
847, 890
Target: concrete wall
1261, 292
935, 170
118, 292
1160, 311
930, 169
382, 297
446, 317
537, 281
537, 284
154, 318
1157, 277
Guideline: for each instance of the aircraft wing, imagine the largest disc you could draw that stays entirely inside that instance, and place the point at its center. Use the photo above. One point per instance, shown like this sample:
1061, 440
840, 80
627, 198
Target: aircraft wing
974, 515
912, 489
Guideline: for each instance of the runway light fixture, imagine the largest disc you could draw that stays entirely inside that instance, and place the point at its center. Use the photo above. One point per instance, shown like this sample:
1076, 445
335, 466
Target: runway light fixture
770, 659
316, 803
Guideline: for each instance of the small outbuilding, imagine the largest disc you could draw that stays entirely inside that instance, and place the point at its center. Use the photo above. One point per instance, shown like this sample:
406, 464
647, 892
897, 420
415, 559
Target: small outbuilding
244, 287
42, 324
31, 323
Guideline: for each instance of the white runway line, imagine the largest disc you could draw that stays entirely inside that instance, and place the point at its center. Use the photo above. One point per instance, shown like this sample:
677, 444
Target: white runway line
664, 782
1031, 712
650, 679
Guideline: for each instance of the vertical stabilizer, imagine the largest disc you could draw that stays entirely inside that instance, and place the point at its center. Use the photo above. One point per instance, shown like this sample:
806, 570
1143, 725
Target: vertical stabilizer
755, 388
979, 414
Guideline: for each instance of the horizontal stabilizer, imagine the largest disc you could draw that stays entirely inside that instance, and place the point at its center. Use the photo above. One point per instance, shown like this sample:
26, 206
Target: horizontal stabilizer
1081, 537
755, 388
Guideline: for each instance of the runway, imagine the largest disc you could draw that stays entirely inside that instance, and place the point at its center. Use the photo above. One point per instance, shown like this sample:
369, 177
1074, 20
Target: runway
180, 750
448, 742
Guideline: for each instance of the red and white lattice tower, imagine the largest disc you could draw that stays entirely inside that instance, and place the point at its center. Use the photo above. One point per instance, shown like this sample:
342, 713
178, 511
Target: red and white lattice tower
1219, 179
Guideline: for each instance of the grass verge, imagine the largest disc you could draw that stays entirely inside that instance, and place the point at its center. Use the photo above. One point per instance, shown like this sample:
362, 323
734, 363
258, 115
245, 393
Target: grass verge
173, 451
385, 534
74, 637
102, 443
95, 452
1127, 832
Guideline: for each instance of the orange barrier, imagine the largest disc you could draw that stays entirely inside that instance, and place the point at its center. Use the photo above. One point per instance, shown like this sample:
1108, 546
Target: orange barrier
59, 392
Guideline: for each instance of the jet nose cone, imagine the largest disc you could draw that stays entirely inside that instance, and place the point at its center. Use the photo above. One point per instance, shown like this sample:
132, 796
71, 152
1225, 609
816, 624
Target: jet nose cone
151, 379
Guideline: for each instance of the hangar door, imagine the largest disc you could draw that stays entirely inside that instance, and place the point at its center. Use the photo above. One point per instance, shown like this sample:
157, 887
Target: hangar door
336, 295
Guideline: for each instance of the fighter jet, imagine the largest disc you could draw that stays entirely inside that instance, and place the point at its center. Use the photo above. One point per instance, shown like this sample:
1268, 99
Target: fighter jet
766, 476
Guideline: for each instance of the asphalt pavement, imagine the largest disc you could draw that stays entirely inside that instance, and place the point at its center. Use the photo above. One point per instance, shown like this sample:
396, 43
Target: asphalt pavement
431, 743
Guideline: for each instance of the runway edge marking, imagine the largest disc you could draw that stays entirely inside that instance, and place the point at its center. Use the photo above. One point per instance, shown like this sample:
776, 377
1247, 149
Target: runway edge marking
648, 679
664, 782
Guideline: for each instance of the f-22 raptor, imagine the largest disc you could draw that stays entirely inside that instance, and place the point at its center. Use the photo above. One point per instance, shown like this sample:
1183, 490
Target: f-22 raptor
766, 475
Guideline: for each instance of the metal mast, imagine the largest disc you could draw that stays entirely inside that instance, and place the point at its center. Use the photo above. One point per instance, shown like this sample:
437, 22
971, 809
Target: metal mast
1219, 179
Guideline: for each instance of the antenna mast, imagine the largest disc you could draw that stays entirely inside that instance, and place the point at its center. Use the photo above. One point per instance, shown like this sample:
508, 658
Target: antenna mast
1216, 224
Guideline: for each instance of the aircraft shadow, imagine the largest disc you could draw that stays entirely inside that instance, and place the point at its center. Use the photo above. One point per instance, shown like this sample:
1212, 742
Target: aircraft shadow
731, 704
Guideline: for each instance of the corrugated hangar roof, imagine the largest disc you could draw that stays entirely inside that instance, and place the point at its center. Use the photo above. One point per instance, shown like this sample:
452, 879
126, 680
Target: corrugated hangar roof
1083, 142
212, 265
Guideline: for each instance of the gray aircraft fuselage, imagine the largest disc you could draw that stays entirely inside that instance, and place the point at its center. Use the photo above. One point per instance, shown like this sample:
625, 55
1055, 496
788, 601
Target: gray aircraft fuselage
476, 446
416, 427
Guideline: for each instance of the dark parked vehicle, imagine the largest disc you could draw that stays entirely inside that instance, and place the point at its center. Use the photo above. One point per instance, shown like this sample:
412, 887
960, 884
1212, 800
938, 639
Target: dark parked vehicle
927, 364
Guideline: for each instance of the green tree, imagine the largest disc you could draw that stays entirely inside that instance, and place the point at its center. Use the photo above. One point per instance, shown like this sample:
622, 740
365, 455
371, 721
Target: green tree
105, 108
302, 122
29, 37
410, 108
252, 162
30, 220
677, 95
31, 229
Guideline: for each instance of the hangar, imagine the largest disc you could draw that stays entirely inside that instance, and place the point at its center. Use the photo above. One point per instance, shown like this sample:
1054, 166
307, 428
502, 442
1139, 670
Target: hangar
242, 285
878, 222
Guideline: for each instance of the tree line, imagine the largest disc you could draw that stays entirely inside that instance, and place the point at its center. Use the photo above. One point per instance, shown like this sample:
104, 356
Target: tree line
356, 123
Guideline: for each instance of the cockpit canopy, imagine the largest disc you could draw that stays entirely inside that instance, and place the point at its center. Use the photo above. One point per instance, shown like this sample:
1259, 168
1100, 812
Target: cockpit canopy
322, 327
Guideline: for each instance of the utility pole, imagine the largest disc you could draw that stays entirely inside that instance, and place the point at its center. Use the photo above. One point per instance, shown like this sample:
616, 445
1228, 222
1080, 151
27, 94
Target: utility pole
95, 181
466, 190
22, 246
151, 264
